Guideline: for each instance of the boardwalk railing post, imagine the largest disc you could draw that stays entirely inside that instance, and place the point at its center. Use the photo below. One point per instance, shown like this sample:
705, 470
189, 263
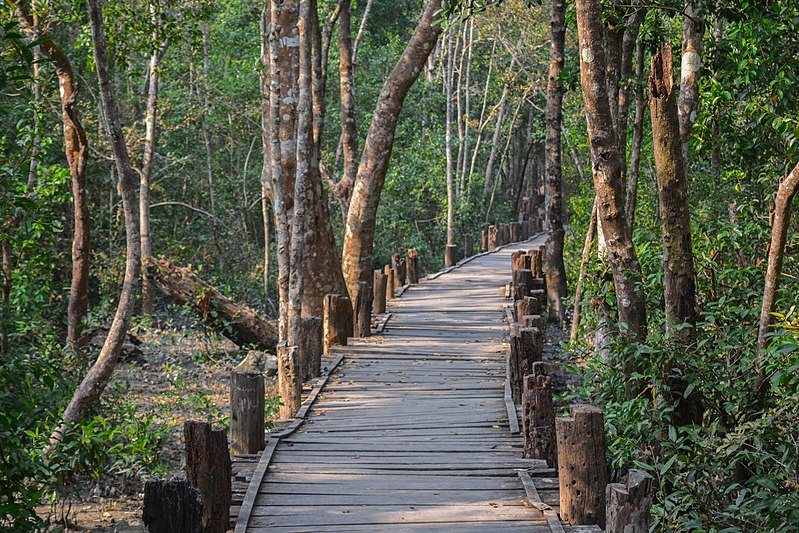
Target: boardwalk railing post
538, 419
525, 230
390, 291
629, 504
492, 239
172, 506
247, 432
363, 310
526, 306
484, 240
468, 246
208, 469
515, 232
581, 465
525, 348
523, 277
338, 324
400, 270
379, 306
451, 255
311, 347
413, 266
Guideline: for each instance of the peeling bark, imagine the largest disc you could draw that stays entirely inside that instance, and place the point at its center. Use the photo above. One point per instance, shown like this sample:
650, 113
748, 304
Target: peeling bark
693, 31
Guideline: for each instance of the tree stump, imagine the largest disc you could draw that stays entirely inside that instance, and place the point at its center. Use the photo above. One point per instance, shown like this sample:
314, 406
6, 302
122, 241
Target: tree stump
172, 506
379, 305
338, 325
311, 347
468, 246
363, 310
451, 255
413, 266
289, 379
629, 504
389, 272
400, 270
581, 466
538, 419
493, 235
515, 232
208, 469
247, 431
522, 355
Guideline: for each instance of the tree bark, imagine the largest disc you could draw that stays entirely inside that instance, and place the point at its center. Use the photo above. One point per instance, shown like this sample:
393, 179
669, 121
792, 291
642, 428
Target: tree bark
450, 76
638, 137
693, 31
556, 270
678, 257
209, 149
606, 165
361, 219
578, 293
349, 134
779, 236
99, 374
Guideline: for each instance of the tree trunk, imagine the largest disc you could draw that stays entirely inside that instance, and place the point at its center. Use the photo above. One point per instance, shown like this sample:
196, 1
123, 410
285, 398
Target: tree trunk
578, 293
678, 257
209, 149
693, 31
556, 270
779, 236
638, 137
99, 374
607, 173
241, 324
450, 75
349, 134
629, 39
361, 219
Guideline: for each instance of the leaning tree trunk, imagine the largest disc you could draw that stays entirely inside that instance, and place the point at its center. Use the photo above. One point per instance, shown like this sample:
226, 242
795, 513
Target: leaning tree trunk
99, 374
361, 219
556, 270
678, 257
606, 164
779, 236
693, 31
349, 134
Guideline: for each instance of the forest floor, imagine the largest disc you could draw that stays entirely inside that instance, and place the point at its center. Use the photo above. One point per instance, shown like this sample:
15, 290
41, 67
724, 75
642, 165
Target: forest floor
178, 373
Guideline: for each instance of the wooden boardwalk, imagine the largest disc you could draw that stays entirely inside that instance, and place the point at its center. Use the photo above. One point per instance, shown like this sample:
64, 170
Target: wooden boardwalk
411, 430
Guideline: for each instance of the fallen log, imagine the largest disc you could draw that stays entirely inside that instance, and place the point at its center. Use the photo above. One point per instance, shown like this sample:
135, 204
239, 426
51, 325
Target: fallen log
239, 323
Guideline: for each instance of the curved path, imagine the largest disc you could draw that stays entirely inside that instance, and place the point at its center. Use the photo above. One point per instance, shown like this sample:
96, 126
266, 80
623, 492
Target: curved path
411, 431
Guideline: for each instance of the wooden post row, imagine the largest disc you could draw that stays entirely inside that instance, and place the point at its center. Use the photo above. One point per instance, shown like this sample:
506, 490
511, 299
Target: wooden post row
208, 469
363, 310
413, 266
379, 306
581, 465
247, 431
338, 323
526, 347
538, 419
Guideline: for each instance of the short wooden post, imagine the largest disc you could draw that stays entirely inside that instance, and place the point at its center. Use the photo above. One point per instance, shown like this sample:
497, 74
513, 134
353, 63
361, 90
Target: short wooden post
532, 321
484, 240
338, 323
311, 347
389, 272
536, 263
629, 504
451, 255
522, 355
468, 245
379, 305
515, 232
541, 296
493, 235
525, 230
208, 469
363, 310
527, 305
581, 465
538, 419
289, 379
400, 270
505, 233
519, 260
247, 432
523, 276
172, 506
413, 266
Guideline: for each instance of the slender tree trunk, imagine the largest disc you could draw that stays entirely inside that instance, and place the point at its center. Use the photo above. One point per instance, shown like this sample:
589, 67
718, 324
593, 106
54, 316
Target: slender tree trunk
556, 270
361, 28
788, 189
482, 122
349, 134
266, 169
209, 149
693, 31
489, 174
467, 110
678, 257
5, 297
99, 374
638, 137
450, 74
360, 227
607, 173
578, 293
629, 40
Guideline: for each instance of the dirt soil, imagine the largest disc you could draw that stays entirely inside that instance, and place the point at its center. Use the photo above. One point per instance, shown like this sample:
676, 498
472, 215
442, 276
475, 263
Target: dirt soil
177, 374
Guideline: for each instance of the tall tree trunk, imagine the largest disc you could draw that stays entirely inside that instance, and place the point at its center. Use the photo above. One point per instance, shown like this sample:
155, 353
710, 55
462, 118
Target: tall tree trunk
606, 164
629, 39
99, 374
145, 177
266, 169
556, 270
693, 31
349, 134
489, 174
467, 110
209, 149
678, 257
638, 136
578, 293
360, 227
450, 75
788, 188
482, 123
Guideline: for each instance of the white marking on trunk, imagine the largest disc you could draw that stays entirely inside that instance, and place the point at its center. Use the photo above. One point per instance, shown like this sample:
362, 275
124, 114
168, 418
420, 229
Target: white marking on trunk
690, 64
588, 55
